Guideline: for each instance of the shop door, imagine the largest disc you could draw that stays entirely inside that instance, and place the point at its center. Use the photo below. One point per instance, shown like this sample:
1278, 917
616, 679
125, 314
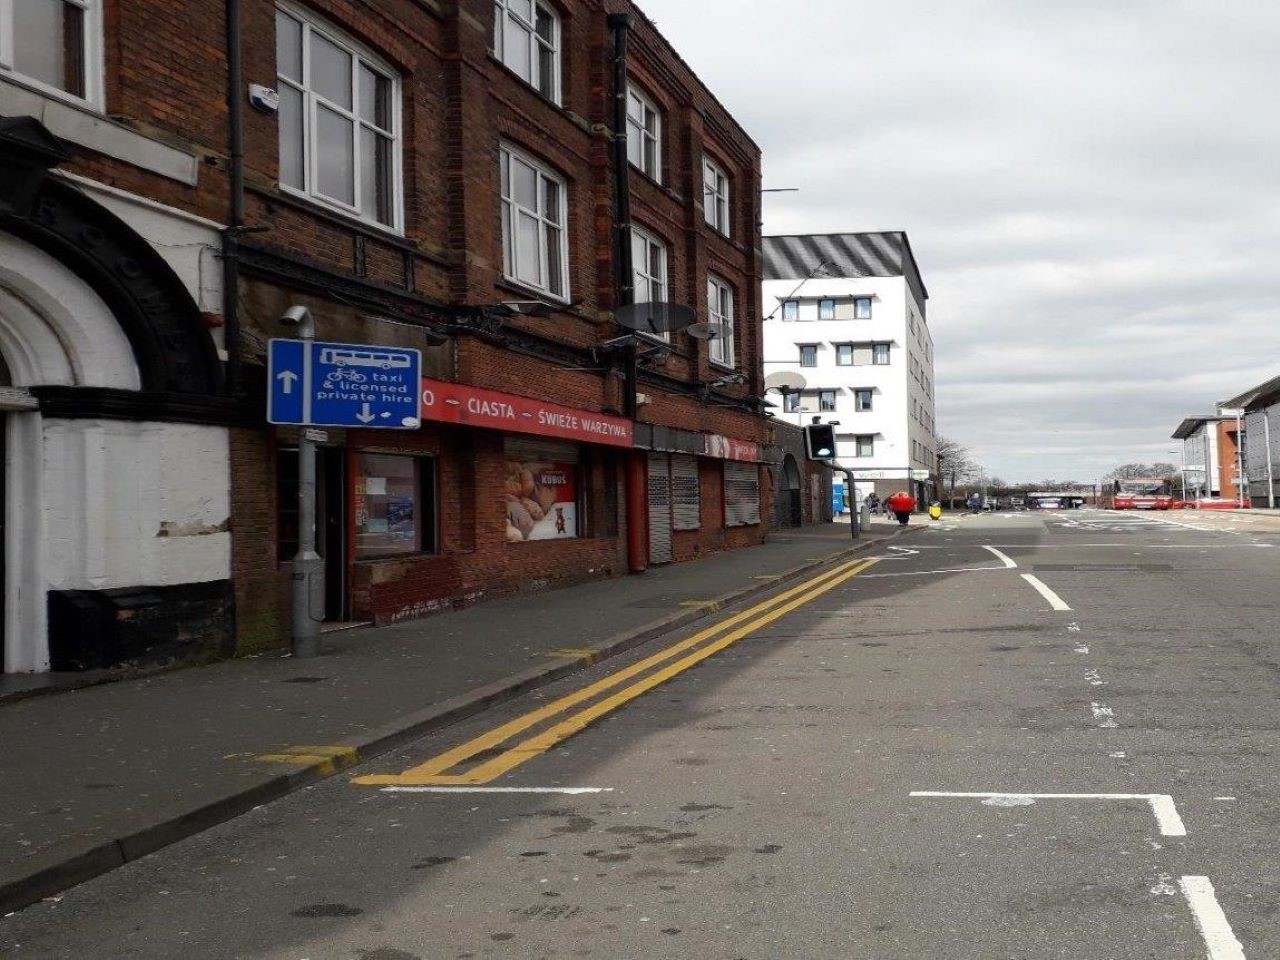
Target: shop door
331, 527
659, 508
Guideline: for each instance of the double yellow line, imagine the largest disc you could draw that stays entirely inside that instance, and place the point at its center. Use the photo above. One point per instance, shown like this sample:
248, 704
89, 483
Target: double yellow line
433, 772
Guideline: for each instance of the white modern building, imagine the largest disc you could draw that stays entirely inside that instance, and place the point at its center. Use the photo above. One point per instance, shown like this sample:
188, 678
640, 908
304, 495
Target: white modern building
846, 312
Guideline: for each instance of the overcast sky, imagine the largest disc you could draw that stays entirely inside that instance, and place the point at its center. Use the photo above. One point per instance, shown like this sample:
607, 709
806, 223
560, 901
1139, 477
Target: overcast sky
1090, 188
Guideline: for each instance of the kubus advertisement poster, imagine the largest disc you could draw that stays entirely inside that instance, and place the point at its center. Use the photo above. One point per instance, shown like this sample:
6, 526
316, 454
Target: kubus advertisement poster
541, 499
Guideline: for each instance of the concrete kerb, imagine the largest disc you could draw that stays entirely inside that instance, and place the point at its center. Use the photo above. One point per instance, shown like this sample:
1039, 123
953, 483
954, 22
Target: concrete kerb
108, 856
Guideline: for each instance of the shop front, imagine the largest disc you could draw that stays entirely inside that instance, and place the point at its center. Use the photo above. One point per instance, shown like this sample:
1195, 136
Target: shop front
496, 493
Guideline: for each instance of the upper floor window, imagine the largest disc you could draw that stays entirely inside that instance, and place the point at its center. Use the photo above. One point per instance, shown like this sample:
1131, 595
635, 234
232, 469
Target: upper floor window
844, 354
534, 242
827, 401
644, 134
826, 309
862, 308
808, 354
791, 310
864, 445
526, 38
649, 270
791, 402
715, 195
720, 312
339, 121
880, 353
862, 399
53, 44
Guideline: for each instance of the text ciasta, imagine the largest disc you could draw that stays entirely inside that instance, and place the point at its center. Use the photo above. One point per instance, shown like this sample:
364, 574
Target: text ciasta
547, 418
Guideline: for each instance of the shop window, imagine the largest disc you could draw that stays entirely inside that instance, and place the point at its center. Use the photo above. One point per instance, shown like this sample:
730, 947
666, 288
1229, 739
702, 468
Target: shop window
741, 494
542, 491
394, 505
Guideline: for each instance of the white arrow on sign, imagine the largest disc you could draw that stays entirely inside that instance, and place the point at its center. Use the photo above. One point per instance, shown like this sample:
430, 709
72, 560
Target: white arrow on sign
287, 377
364, 416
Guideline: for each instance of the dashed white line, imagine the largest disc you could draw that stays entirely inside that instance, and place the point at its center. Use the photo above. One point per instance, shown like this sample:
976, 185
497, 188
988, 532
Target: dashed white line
1003, 558
1162, 805
1210, 920
1105, 714
1055, 601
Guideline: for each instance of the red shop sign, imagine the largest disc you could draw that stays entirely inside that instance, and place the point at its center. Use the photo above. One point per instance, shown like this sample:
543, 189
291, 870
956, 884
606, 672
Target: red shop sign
729, 448
449, 402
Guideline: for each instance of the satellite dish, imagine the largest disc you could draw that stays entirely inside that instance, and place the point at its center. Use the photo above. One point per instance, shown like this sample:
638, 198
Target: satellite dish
707, 331
785, 381
656, 317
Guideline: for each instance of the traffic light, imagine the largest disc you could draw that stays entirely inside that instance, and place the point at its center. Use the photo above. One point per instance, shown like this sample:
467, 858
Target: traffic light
820, 441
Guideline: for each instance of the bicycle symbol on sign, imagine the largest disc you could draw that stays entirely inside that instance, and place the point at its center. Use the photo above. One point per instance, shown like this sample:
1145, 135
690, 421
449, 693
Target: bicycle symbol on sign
344, 373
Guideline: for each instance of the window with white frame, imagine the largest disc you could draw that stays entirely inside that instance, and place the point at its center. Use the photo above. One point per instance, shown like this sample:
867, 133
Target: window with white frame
791, 310
720, 312
339, 120
644, 134
526, 38
649, 270
55, 45
715, 195
535, 249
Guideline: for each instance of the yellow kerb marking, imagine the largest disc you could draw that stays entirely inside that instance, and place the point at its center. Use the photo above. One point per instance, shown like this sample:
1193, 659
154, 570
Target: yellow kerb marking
432, 772
325, 759
571, 652
709, 605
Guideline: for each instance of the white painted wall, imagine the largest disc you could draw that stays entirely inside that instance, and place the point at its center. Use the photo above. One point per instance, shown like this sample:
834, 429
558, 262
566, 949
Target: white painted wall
890, 420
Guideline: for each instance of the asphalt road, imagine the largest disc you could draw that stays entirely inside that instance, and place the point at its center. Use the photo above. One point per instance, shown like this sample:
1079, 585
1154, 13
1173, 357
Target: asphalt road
784, 796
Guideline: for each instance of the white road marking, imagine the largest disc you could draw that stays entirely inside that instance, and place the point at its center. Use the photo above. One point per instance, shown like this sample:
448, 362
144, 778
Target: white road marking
569, 790
1162, 805
1104, 713
1073, 627
1095, 680
1083, 648
1007, 561
1055, 601
1210, 920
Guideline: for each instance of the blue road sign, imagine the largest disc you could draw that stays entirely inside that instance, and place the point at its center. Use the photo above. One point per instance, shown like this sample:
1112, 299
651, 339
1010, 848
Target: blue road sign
343, 385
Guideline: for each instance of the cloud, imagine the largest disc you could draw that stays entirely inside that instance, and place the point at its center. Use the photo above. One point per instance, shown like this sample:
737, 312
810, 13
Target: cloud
1090, 188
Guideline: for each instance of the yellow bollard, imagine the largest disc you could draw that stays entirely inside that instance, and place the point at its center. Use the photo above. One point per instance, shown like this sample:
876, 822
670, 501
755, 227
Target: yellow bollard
935, 512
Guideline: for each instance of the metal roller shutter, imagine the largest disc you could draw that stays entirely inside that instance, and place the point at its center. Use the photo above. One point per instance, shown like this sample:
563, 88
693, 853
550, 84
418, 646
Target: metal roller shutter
686, 503
741, 494
659, 493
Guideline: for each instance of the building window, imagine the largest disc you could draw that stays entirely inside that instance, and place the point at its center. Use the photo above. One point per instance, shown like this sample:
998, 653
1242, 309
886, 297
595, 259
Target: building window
394, 505
53, 44
862, 400
534, 241
827, 401
808, 354
339, 121
649, 270
826, 309
791, 403
880, 354
526, 38
715, 195
862, 308
644, 134
720, 313
844, 354
864, 445
791, 310
541, 490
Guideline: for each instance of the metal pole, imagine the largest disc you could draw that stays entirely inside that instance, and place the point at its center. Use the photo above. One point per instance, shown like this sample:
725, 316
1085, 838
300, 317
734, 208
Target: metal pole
1239, 459
308, 568
1266, 433
855, 508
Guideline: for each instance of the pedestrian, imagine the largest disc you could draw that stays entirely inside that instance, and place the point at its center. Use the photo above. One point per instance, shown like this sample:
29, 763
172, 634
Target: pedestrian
901, 504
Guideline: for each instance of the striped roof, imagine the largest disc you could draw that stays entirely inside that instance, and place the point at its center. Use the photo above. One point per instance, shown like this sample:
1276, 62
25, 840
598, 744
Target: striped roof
881, 254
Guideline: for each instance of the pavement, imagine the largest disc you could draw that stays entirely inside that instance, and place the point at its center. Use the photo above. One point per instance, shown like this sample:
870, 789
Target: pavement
99, 776
1026, 737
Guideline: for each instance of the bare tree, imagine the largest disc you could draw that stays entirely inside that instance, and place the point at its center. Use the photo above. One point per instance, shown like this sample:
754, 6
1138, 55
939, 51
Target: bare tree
957, 465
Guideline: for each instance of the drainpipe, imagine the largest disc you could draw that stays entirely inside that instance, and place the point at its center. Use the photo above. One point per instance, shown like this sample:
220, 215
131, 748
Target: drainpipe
235, 220
637, 474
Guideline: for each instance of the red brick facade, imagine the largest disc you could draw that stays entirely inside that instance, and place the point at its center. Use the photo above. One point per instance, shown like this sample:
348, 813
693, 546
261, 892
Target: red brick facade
166, 63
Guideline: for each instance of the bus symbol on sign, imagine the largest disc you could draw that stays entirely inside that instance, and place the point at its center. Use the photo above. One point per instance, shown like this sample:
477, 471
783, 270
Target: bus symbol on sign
351, 357
343, 385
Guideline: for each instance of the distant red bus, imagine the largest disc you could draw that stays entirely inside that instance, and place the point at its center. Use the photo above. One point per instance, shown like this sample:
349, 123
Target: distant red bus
1153, 493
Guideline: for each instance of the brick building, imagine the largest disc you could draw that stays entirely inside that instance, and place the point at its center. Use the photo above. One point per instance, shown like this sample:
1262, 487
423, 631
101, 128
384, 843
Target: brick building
406, 171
